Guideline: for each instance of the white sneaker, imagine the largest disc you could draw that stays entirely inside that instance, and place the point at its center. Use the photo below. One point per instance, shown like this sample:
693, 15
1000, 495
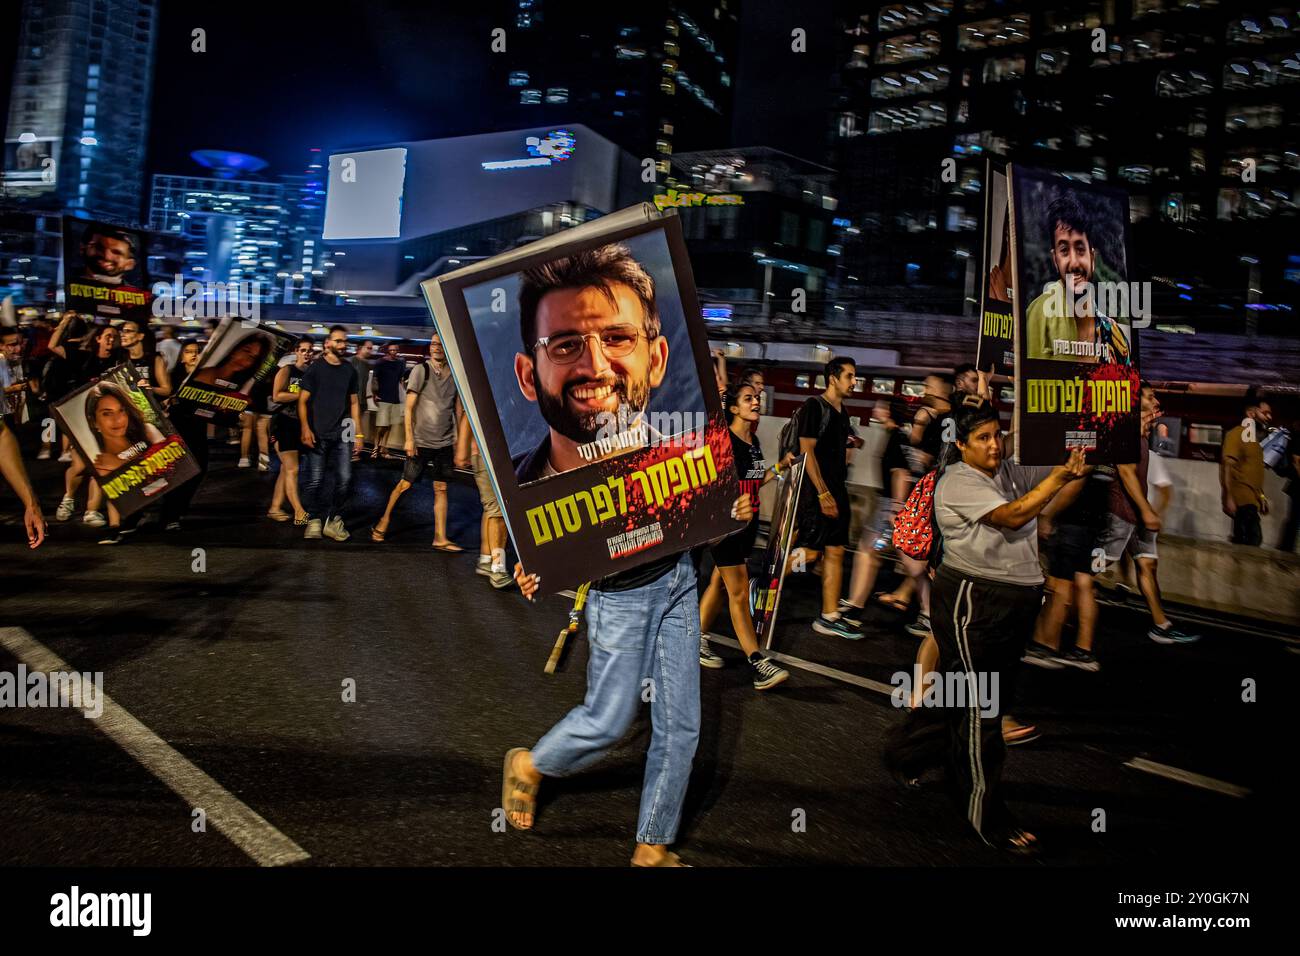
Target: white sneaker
313, 528
244, 463
66, 507
263, 463
95, 519
334, 529
66, 457
484, 567
43, 455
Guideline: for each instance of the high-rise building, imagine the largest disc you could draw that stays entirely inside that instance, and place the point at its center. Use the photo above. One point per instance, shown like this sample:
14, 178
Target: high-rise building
243, 227
79, 107
1188, 105
652, 77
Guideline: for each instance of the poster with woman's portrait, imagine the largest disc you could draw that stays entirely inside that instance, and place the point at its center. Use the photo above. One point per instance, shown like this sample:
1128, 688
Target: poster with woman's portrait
239, 355
119, 429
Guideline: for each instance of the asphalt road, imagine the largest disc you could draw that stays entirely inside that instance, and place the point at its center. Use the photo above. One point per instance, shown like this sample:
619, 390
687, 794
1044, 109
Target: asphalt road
239, 671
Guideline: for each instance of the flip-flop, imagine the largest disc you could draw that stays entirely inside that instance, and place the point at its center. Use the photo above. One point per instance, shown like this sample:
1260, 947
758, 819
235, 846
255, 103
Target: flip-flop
278, 515
880, 597
450, 547
509, 784
668, 859
300, 519
376, 534
1021, 734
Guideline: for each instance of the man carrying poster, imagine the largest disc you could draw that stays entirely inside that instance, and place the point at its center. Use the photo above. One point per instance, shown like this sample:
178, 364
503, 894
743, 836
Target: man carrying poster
1076, 358
104, 269
599, 313
133, 450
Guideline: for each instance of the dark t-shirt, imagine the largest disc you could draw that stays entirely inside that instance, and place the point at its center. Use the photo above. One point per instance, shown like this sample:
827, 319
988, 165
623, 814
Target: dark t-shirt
330, 387
750, 468
832, 441
1090, 509
85, 367
893, 458
290, 409
388, 378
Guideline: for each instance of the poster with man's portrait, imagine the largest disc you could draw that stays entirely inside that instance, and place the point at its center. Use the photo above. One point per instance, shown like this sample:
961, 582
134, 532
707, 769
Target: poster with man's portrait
584, 367
130, 446
104, 270
1077, 381
997, 348
239, 355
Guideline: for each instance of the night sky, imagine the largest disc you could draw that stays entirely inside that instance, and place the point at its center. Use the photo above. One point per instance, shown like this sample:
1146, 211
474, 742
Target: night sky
281, 76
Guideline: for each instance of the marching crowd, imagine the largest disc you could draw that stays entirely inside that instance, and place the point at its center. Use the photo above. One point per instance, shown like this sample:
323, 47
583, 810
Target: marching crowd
998, 558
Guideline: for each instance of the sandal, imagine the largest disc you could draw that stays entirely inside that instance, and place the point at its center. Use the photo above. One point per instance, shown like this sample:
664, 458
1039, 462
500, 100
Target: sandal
1018, 843
300, 519
887, 599
1020, 734
450, 547
278, 515
511, 784
668, 859
376, 534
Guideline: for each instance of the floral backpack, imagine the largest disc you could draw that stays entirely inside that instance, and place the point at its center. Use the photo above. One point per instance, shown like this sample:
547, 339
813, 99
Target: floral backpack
913, 527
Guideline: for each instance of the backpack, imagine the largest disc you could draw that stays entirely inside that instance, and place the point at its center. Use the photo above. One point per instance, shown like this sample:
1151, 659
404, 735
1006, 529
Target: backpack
913, 525
789, 444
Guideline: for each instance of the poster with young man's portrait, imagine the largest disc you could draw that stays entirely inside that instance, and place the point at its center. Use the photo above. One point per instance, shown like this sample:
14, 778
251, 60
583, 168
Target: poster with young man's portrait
1077, 381
585, 372
997, 346
131, 448
239, 355
104, 270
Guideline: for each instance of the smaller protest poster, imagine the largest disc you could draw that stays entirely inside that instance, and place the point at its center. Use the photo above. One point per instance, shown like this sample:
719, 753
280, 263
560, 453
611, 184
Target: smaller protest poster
239, 355
104, 270
766, 587
131, 447
997, 348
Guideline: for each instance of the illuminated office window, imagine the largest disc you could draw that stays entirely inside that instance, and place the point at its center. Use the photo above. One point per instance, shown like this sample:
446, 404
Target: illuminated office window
999, 31
899, 15
1180, 83
928, 79
1000, 69
911, 46
1052, 62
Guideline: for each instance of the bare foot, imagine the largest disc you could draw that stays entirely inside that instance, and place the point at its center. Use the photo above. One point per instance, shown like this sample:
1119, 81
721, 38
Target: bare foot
650, 854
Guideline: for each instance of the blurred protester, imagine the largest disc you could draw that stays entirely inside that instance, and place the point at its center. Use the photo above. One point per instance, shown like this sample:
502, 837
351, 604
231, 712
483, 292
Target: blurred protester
1133, 525
362, 362
987, 592
389, 373
287, 433
169, 346
1291, 527
16, 379
492, 526
436, 435
1241, 474
730, 571
328, 413
11, 466
150, 365
256, 420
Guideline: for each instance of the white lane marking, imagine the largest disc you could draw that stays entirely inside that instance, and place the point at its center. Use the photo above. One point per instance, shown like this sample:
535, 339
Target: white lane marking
1186, 776
821, 669
240, 824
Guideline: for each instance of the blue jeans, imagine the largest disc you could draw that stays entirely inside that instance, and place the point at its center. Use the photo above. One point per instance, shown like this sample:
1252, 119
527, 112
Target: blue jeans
645, 645
331, 456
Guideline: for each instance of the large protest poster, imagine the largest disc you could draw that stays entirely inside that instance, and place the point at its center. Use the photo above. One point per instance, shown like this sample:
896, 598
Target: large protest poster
996, 348
239, 355
583, 364
765, 589
1077, 381
120, 430
104, 270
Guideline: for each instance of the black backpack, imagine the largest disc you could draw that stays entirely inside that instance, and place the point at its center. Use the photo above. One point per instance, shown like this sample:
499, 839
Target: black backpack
790, 430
